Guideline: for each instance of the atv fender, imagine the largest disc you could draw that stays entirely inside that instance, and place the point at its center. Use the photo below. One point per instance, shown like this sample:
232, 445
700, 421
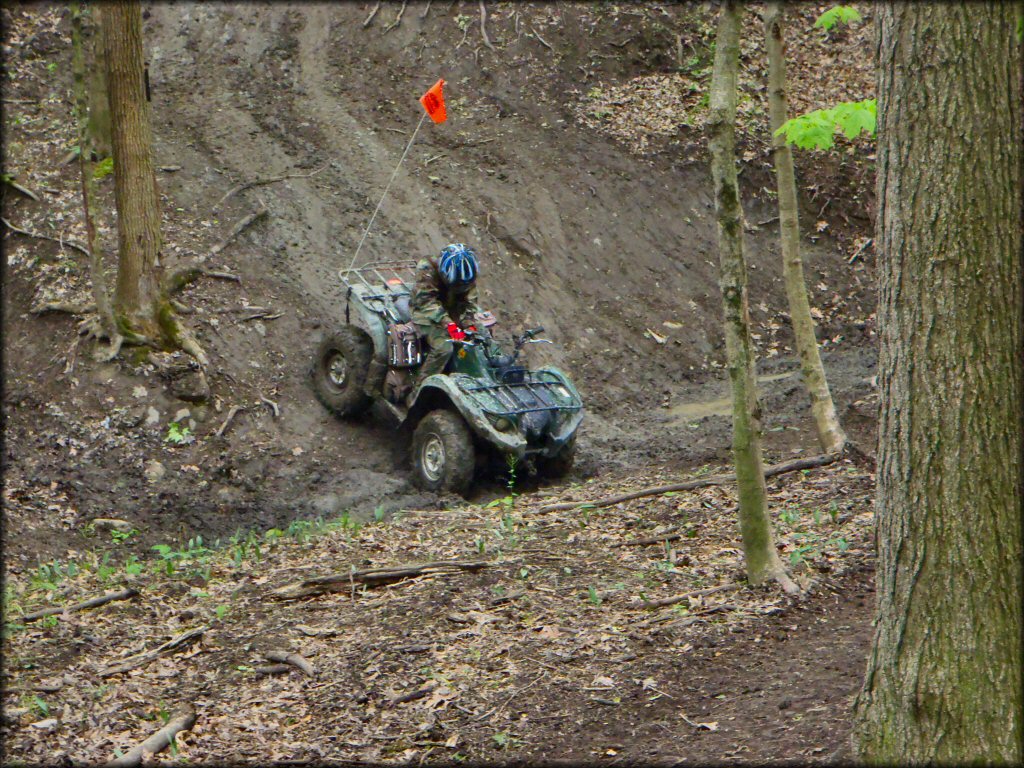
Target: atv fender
440, 388
564, 432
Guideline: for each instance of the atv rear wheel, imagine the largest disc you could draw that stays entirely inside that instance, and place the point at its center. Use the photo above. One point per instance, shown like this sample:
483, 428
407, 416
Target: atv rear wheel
339, 371
561, 463
443, 455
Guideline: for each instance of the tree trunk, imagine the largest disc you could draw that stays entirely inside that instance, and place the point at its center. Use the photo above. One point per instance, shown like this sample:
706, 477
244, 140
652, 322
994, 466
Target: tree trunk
830, 434
99, 282
943, 682
758, 546
138, 302
99, 104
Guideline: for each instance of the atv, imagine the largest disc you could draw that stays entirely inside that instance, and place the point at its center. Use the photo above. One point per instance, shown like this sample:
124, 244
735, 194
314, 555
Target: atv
484, 404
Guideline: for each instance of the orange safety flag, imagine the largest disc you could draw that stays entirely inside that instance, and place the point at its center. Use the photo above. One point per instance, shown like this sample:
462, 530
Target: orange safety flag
433, 102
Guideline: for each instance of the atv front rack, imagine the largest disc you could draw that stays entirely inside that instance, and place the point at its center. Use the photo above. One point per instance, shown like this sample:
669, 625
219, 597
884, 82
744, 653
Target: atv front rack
539, 391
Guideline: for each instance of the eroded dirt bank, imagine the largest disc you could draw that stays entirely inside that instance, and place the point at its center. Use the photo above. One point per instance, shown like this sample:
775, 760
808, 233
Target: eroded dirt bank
611, 250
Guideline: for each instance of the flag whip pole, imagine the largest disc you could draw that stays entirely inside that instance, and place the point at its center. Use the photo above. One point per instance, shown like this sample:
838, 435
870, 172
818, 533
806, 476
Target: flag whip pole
386, 188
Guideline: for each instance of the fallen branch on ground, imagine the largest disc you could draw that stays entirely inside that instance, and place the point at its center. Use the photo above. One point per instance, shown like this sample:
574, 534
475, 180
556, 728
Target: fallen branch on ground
667, 536
179, 278
398, 18
59, 240
426, 10
370, 17
24, 190
94, 602
412, 695
286, 657
541, 40
238, 229
141, 659
234, 409
261, 182
689, 485
183, 721
374, 577
666, 601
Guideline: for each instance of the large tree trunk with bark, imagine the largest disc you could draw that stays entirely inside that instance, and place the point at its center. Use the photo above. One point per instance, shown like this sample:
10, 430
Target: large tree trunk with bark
762, 559
943, 682
830, 434
99, 283
138, 302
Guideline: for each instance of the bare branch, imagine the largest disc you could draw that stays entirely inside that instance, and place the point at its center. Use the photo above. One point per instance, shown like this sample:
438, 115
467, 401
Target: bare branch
59, 240
94, 602
369, 18
261, 182
398, 18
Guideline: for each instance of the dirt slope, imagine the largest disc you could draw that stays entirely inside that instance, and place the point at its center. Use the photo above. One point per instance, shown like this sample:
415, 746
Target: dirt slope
599, 244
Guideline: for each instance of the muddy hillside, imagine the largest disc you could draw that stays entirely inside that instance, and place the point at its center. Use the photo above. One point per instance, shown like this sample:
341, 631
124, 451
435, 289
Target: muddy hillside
573, 161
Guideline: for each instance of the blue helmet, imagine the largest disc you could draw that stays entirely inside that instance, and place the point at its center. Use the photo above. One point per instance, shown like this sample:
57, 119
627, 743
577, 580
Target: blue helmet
458, 265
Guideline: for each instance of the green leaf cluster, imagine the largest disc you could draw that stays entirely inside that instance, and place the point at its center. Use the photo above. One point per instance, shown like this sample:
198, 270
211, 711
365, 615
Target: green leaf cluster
844, 14
103, 168
816, 130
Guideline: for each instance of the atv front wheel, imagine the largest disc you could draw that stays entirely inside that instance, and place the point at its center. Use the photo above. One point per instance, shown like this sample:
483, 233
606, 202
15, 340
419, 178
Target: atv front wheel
561, 463
443, 455
339, 371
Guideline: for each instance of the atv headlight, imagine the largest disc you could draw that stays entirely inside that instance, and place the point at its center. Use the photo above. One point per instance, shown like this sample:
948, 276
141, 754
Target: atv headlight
503, 425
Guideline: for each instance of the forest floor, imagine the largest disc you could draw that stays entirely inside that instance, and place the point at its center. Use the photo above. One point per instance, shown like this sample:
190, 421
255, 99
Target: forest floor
574, 160
546, 647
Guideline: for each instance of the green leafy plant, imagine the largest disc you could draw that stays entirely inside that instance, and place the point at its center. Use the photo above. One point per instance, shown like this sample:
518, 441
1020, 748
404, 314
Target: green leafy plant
817, 129
120, 536
177, 434
840, 14
103, 168
594, 598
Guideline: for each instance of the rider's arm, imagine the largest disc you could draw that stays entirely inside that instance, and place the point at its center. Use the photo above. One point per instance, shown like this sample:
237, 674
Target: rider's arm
469, 307
425, 303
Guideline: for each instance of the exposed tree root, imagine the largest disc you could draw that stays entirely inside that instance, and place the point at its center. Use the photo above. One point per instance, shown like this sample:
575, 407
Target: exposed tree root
483, 26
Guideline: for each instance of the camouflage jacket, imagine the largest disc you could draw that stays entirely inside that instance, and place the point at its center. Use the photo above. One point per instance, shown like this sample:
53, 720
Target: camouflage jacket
435, 304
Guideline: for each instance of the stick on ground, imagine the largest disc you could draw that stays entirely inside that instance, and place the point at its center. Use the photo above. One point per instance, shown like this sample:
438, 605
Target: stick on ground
261, 182
94, 602
689, 485
374, 577
183, 721
60, 241
141, 659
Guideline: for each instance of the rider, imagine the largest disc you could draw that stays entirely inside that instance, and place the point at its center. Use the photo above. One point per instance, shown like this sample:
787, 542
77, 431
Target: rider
445, 293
